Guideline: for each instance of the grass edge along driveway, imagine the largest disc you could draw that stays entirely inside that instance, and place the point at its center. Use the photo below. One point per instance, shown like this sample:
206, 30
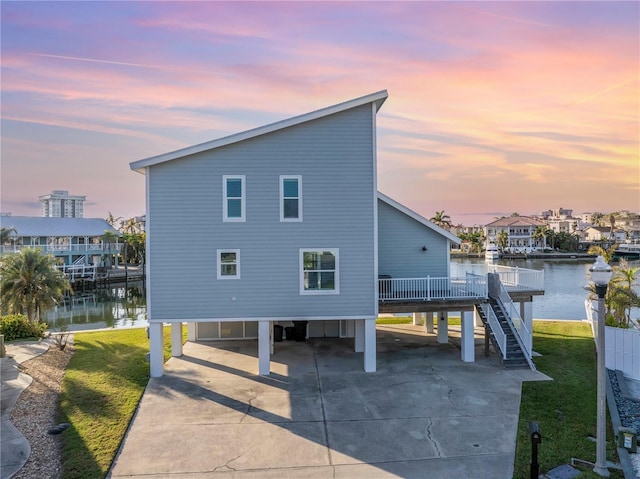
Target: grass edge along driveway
101, 388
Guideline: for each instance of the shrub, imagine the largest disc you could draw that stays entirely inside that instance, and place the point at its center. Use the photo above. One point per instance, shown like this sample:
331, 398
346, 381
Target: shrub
17, 326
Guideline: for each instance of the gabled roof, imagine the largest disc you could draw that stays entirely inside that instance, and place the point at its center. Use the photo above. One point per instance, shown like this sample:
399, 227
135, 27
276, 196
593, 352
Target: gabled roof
517, 221
26, 226
377, 99
420, 219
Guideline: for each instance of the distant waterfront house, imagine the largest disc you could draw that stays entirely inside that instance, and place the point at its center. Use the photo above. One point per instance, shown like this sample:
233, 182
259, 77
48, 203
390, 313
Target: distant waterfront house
520, 231
285, 224
71, 240
600, 233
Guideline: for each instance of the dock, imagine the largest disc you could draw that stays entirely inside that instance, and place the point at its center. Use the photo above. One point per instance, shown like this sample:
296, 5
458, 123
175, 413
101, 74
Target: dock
81, 275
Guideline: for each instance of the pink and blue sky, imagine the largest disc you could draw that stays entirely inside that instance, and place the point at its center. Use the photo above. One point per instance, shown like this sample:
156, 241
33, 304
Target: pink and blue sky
494, 107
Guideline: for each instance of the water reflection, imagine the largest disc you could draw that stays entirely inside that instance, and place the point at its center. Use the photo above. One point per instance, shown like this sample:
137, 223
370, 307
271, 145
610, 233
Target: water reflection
113, 307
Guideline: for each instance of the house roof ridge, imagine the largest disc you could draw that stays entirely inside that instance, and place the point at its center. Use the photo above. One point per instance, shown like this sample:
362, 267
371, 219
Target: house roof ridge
418, 217
377, 98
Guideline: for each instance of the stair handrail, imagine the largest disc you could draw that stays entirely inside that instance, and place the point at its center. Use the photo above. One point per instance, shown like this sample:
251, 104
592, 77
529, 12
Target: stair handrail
496, 329
521, 332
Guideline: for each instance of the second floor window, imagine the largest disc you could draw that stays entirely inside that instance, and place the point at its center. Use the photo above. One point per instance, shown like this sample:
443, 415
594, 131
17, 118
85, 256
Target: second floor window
290, 198
234, 198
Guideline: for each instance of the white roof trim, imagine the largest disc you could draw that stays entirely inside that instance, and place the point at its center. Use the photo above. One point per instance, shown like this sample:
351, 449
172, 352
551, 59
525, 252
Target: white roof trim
419, 218
378, 98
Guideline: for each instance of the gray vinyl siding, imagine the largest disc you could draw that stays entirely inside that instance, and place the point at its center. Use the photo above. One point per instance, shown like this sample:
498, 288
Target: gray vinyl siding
334, 156
400, 242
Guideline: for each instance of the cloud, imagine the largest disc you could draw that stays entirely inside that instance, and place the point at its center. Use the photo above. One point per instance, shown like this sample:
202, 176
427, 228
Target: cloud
487, 101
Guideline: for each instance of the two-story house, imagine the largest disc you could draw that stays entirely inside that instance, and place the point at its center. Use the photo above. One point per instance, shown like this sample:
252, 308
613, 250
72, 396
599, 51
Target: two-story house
70, 240
284, 223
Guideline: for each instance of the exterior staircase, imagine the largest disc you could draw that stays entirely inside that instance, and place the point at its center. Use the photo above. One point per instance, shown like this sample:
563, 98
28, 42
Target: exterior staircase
514, 357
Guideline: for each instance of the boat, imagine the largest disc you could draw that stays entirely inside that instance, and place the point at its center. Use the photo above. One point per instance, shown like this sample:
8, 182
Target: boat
627, 251
491, 253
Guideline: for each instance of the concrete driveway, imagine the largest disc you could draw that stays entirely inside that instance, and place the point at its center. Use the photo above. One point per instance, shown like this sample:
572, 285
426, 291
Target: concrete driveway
424, 413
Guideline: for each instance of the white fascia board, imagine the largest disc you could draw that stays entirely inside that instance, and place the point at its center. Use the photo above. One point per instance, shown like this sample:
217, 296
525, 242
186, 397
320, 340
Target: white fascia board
377, 98
421, 219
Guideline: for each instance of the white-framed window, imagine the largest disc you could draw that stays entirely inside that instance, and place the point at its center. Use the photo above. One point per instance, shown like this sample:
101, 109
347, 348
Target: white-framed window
319, 271
290, 198
228, 263
233, 197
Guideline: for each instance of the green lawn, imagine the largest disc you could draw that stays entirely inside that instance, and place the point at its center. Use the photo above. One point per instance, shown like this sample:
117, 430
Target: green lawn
564, 408
102, 386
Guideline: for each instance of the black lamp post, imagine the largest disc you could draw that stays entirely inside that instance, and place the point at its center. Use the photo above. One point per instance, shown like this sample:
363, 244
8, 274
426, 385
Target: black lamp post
601, 275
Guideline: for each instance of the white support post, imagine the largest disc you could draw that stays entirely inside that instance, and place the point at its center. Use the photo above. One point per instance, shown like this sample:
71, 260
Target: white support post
443, 327
417, 319
191, 331
477, 320
176, 340
370, 345
264, 358
156, 354
526, 313
358, 340
428, 322
468, 338
272, 336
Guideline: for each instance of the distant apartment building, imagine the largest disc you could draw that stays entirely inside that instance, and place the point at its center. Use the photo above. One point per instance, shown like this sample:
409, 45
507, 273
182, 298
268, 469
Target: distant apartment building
559, 213
561, 220
60, 204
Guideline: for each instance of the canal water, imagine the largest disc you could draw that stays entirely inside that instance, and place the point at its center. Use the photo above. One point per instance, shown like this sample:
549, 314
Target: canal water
125, 306
117, 306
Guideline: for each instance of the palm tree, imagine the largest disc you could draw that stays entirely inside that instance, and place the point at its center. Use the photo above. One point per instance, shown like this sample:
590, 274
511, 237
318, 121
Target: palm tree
5, 234
112, 220
549, 234
540, 235
596, 218
477, 240
109, 237
607, 254
612, 222
31, 283
622, 294
441, 219
502, 240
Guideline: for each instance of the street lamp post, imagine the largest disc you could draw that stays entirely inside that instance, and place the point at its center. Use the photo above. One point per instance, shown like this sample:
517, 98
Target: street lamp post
601, 275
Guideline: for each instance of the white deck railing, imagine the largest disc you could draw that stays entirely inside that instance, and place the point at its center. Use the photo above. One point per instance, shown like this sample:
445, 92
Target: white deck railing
79, 271
427, 289
496, 329
519, 279
80, 248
